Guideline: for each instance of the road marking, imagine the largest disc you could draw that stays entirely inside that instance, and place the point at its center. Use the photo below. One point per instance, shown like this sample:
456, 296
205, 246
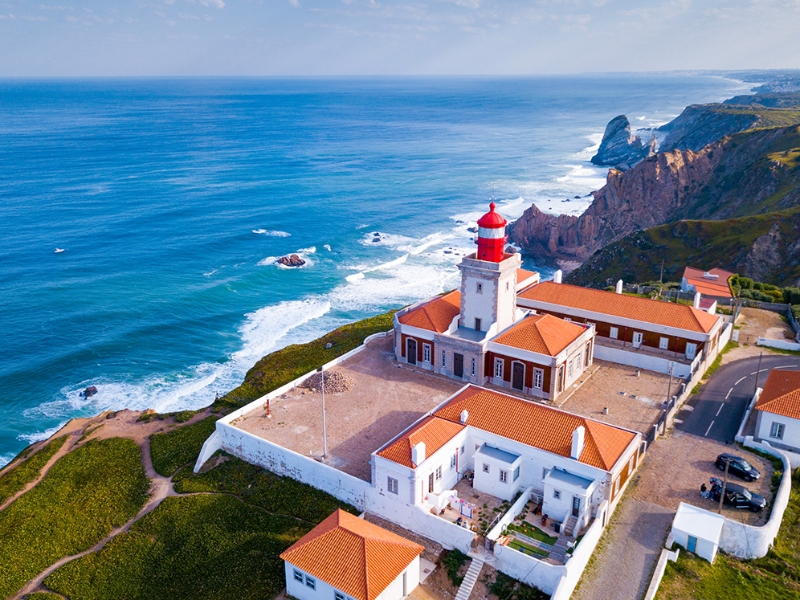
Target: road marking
719, 410
742, 379
709, 429
728, 395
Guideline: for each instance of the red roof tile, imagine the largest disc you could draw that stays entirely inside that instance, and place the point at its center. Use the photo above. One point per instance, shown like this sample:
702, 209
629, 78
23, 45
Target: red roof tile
433, 431
435, 315
544, 334
708, 286
781, 394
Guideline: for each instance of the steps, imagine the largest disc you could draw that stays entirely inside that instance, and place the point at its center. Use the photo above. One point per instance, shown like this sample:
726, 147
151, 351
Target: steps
559, 551
569, 527
470, 579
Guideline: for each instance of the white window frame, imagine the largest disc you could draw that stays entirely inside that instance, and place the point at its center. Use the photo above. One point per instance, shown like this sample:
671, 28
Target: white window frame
444, 359
516, 473
777, 430
474, 366
453, 461
486, 467
392, 485
311, 583
298, 576
568, 320
503, 476
478, 287
337, 595
557, 494
438, 473
640, 336
569, 369
663, 343
694, 351
578, 364
499, 367
538, 378
426, 353
613, 333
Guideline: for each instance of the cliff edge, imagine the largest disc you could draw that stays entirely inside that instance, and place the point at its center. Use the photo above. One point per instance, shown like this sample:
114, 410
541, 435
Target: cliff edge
620, 148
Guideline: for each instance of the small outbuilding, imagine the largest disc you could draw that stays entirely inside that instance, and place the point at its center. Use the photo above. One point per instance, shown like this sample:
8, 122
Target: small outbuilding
698, 530
348, 558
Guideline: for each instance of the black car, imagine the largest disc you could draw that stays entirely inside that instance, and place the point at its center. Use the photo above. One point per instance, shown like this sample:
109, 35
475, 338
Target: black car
739, 497
738, 466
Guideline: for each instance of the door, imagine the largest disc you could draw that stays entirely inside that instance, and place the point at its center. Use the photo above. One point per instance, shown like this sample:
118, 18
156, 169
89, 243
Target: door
560, 379
458, 365
691, 350
518, 376
691, 544
411, 351
637, 339
430, 483
576, 506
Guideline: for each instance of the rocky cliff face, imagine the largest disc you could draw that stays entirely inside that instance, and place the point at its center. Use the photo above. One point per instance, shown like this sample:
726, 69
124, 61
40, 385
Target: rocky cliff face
701, 124
748, 173
620, 148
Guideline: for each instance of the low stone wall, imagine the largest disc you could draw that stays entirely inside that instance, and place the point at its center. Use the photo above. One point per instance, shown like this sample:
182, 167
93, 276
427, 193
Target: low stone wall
511, 514
779, 344
641, 361
528, 569
658, 575
748, 541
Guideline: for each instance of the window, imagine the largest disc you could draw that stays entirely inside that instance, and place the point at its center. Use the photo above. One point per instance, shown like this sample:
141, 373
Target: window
557, 494
776, 431
498, 368
391, 485
473, 367
311, 582
538, 378
477, 324
453, 461
588, 352
503, 476
591, 324
632, 464
426, 353
663, 343
516, 473
507, 286
298, 576
568, 320
463, 448
578, 362
479, 287
444, 359
614, 333
338, 596
485, 468
569, 369
438, 473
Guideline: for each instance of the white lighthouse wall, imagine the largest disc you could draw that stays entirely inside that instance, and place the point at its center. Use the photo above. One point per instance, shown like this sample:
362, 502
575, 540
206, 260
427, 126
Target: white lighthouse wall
478, 305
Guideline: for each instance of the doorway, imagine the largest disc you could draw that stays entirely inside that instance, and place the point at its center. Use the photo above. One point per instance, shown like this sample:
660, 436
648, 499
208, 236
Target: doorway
458, 365
430, 483
576, 506
518, 376
691, 544
637, 339
411, 351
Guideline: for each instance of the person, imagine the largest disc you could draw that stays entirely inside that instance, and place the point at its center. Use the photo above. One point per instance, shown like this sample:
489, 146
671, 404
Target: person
703, 491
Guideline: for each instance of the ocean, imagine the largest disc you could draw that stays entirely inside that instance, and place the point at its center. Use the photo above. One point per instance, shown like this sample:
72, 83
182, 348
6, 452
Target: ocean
172, 198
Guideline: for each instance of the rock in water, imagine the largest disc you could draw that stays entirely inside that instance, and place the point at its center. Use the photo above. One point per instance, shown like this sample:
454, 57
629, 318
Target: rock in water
89, 391
291, 261
620, 148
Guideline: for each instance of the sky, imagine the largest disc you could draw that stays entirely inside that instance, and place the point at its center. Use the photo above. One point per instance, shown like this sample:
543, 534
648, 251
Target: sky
73, 38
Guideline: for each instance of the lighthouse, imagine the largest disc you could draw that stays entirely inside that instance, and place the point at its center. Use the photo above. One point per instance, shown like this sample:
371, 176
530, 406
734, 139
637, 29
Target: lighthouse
491, 236
489, 279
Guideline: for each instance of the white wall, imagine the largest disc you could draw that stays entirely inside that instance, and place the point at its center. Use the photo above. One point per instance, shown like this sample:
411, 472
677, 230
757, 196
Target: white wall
791, 429
704, 549
748, 541
641, 360
581, 555
510, 515
782, 344
490, 482
528, 569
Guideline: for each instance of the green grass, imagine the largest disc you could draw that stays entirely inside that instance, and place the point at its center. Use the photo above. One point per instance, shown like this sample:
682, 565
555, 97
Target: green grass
87, 493
776, 576
18, 477
283, 366
533, 532
718, 361
174, 449
42, 596
452, 561
529, 550
223, 543
261, 488
208, 546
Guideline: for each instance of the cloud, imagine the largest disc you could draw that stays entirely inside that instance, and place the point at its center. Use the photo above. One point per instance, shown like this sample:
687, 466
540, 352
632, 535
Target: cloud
295, 3
213, 3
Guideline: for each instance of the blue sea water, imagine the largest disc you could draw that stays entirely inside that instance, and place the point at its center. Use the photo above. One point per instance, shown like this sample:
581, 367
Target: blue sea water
171, 199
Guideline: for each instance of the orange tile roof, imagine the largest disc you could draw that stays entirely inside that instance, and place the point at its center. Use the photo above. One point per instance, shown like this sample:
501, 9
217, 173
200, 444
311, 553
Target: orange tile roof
781, 394
656, 312
711, 287
433, 431
544, 334
352, 555
435, 315
538, 426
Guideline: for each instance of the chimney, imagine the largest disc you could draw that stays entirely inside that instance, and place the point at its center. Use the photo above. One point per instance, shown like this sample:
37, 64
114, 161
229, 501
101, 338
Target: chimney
464, 416
557, 276
577, 442
619, 286
697, 297
418, 454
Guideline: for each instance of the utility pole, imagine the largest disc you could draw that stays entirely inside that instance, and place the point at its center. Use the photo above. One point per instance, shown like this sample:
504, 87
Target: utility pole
324, 429
724, 484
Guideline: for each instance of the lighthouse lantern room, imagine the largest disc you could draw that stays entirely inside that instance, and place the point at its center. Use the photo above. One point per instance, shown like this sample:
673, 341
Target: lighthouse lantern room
491, 236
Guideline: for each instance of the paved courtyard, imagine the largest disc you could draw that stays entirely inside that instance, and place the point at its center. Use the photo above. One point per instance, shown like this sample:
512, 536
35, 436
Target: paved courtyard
633, 402
385, 399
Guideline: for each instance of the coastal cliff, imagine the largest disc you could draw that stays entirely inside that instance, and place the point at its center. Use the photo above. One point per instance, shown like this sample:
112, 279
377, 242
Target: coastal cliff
743, 174
621, 149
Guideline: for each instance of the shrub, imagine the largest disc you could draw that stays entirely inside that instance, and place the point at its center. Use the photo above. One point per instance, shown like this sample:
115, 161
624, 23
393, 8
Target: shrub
181, 446
452, 561
507, 588
23, 473
86, 494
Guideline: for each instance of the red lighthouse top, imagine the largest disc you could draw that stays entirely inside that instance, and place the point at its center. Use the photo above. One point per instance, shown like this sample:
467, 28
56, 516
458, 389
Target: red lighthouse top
491, 236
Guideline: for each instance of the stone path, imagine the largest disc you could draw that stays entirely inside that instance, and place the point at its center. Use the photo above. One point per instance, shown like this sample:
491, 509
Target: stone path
627, 552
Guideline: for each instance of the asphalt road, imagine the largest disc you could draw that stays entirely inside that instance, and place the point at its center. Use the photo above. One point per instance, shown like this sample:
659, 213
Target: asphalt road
717, 411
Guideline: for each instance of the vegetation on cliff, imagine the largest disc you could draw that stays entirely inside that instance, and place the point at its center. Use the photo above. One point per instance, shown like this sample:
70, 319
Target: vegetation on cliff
21, 474
764, 247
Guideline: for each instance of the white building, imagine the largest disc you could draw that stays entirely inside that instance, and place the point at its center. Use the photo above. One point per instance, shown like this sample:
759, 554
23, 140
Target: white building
348, 558
510, 444
778, 410
697, 530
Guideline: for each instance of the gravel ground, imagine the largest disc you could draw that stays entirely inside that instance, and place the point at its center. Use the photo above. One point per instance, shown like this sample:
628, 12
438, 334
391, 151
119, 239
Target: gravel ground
757, 323
384, 400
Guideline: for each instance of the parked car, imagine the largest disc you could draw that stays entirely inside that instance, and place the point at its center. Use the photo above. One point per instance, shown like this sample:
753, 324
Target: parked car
739, 497
738, 466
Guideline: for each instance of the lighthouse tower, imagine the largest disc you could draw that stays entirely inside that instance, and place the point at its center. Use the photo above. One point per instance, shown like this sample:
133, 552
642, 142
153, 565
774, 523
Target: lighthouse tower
489, 279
